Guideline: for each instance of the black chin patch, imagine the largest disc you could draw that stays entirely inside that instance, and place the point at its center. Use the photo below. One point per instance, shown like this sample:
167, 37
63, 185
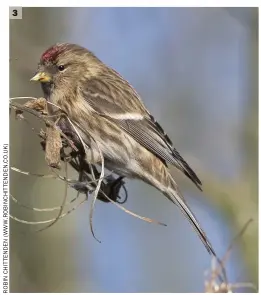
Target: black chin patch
47, 89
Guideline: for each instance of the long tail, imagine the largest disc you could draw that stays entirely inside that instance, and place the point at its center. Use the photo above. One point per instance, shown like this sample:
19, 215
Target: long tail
175, 196
163, 181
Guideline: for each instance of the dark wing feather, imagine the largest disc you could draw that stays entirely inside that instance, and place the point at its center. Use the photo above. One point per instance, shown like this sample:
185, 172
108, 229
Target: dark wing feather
145, 130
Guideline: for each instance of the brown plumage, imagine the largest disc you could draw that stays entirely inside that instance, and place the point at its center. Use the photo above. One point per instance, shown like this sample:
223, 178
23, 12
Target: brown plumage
109, 112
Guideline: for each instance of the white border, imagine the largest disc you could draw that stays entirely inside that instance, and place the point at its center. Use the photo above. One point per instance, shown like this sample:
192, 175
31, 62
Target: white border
134, 3
4, 115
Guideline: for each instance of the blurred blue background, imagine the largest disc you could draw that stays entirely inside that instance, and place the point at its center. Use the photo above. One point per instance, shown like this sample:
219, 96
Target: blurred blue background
196, 70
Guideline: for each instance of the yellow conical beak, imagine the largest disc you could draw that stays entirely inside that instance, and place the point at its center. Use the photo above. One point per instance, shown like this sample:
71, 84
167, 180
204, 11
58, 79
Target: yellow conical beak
41, 77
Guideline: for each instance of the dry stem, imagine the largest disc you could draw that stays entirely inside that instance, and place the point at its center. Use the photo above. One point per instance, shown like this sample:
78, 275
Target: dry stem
54, 142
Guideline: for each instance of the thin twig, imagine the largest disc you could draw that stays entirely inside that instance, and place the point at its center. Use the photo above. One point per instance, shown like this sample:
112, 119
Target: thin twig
96, 191
41, 209
43, 118
76, 131
227, 253
57, 176
134, 214
63, 203
50, 220
84, 146
100, 178
22, 97
226, 256
212, 286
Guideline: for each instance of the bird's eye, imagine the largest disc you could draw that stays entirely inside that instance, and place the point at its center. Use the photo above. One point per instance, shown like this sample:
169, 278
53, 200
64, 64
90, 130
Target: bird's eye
61, 68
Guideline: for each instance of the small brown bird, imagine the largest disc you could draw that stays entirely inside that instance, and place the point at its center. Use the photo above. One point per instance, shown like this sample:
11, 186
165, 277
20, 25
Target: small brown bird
108, 112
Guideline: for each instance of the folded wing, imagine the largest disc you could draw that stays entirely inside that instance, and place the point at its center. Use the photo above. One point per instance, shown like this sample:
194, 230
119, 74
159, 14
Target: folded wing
128, 112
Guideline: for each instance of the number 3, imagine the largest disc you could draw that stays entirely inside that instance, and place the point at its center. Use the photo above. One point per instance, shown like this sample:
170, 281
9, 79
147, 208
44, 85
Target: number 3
15, 12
